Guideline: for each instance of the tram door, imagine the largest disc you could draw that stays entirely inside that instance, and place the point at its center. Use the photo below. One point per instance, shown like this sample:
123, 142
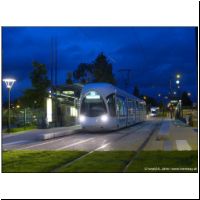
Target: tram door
121, 109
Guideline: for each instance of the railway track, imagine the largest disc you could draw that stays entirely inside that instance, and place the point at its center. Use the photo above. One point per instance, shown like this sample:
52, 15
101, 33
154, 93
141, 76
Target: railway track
142, 146
108, 143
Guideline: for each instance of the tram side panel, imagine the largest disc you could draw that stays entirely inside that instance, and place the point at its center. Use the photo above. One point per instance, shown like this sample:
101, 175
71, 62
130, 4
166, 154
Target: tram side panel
137, 112
129, 112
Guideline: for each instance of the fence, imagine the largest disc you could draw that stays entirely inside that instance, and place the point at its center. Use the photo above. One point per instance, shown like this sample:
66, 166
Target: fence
23, 117
27, 117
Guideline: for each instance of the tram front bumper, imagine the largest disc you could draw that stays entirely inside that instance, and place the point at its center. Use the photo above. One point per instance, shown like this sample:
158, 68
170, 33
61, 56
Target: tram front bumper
98, 123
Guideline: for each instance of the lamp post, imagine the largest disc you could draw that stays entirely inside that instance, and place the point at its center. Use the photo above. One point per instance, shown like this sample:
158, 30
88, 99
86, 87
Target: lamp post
9, 83
177, 81
178, 76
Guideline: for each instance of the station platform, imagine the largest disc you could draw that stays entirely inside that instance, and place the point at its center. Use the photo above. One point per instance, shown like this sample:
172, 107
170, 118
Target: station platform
38, 135
174, 135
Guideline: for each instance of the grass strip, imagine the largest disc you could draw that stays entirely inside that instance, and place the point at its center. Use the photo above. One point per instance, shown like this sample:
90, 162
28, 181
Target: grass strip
165, 161
36, 161
100, 161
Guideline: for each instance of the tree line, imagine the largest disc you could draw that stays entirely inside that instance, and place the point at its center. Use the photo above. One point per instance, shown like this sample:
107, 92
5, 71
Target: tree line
99, 70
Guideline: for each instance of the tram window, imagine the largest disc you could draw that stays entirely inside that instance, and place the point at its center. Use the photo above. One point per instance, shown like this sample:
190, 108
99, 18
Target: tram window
130, 107
111, 104
133, 104
93, 107
124, 108
136, 105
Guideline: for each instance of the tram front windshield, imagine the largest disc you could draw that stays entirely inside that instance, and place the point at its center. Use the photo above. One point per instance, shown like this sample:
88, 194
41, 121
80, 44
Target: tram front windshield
93, 107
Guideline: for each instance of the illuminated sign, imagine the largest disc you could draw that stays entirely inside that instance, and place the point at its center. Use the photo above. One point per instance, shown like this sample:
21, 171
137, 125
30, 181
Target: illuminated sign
68, 92
174, 101
92, 95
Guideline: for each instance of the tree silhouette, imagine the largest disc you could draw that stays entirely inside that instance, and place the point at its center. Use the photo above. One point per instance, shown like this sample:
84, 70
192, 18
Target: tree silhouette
83, 72
186, 101
100, 70
35, 96
103, 70
136, 91
69, 80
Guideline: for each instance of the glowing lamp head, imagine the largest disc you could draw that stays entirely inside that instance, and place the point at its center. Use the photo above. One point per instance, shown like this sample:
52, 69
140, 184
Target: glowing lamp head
9, 82
178, 76
177, 82
82, 118
104, 118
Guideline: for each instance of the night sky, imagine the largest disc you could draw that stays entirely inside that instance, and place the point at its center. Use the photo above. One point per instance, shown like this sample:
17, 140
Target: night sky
153, 54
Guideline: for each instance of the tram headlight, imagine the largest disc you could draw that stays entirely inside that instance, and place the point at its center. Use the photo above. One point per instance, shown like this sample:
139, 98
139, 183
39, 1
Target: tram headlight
82, 118
104, 118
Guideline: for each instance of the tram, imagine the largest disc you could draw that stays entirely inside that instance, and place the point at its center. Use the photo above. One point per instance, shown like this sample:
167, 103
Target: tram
106, 107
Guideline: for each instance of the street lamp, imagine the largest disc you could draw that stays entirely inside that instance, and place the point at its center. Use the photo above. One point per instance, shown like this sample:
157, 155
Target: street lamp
178, 75
9, 83
177, 82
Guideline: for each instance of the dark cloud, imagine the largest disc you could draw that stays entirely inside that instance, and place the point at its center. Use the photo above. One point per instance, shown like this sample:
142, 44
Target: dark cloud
154, 54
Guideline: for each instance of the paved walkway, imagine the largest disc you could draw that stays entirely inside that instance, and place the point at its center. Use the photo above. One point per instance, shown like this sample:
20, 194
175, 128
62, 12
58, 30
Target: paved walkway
183, 137
37, 134
174, 135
